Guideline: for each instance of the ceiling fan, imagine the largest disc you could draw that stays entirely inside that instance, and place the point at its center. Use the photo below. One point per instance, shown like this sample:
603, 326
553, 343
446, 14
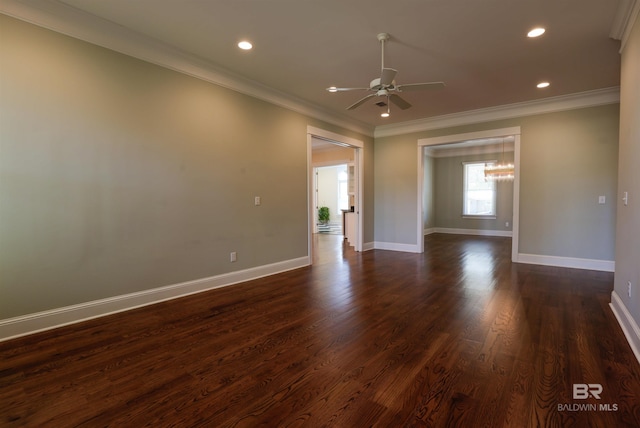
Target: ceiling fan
385, 86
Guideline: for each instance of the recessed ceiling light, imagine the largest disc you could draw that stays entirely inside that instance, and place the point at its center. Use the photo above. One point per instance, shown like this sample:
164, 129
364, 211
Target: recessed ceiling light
543, 85
245, 45
536, 32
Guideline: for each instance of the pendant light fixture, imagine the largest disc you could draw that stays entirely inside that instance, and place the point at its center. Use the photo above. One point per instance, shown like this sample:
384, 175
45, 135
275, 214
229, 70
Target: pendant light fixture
500, 171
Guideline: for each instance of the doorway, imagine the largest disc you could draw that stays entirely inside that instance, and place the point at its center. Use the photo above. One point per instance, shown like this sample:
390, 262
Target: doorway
332, 197
426, 143
339, 150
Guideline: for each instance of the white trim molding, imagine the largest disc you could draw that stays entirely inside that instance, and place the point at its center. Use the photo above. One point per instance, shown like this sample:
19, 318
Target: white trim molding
333, 137
358, 161
627, 323
368, 246
393, 246
467, 136
623, 23
33, 323
567, 262
528, 108
474, 232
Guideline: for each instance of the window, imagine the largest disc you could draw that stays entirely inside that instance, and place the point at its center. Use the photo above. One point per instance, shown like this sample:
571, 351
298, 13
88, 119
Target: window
479, 195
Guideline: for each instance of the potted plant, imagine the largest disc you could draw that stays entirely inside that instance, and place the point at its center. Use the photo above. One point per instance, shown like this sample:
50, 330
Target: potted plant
323, 215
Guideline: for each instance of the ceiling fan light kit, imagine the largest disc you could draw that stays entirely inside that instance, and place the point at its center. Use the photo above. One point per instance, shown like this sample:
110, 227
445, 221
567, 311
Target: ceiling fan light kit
385, 86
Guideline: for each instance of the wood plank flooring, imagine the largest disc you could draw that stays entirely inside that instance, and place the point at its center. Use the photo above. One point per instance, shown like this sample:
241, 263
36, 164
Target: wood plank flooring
455, 337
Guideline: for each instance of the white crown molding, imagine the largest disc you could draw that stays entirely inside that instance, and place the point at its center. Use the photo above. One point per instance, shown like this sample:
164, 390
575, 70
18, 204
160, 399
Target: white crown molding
624, 21
546, 105
67, 20
72, 22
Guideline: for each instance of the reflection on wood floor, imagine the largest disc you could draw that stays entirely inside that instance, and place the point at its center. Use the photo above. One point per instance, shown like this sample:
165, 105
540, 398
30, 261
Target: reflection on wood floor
457, 336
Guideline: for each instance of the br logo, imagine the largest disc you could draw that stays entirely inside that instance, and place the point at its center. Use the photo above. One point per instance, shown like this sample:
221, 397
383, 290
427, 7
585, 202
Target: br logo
582, 391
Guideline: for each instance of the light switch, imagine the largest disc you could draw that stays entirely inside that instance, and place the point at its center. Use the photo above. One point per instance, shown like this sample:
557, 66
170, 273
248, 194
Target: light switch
257, 200
601, 199
625, 198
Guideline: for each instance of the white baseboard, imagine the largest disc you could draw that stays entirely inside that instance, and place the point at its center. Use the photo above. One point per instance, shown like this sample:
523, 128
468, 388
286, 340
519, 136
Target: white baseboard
627, 323
392, 246
32, 323
367, 246
477, 232
429, 231
568, 262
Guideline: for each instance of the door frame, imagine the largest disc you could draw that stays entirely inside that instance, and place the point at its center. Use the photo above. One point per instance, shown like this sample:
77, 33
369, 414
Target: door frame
342, 140
447, 139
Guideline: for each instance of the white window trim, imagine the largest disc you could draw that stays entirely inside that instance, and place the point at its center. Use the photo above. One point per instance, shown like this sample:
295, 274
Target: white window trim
464, 193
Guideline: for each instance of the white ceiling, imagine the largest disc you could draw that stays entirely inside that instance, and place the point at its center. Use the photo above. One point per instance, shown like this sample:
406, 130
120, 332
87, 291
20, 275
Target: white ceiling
478, 48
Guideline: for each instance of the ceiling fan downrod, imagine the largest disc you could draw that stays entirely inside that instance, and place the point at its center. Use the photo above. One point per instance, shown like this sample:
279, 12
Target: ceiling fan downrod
383, 37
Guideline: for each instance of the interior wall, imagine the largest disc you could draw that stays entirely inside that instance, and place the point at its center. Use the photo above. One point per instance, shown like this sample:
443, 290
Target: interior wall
395, 186
449, 194
628, 216
568, 159
428, 190
118, 176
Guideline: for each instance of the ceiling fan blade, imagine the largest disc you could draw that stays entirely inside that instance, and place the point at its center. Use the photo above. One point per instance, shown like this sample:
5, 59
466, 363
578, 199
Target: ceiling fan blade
334, 89
399, 101
387, 76
420, 86
360, 102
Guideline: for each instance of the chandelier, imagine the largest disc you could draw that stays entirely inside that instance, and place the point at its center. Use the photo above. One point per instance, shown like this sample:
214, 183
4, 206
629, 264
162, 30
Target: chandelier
499, 171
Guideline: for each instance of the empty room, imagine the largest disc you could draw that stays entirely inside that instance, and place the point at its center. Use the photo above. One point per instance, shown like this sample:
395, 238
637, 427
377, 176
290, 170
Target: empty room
332, 214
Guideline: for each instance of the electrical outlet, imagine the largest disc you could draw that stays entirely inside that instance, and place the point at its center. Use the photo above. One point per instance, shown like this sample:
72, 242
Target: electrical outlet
629, 288
233, 256
506, 224
257, 200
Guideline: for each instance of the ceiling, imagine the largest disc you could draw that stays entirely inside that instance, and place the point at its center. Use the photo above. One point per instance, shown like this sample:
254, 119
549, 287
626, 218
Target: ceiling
478, 48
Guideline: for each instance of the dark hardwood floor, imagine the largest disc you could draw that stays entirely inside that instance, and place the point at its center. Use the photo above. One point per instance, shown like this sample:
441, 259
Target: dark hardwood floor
455, 337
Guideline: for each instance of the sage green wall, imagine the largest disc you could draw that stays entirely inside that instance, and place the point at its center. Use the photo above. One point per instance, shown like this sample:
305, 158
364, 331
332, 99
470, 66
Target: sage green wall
568, 159
118, 176
628, 217
395, 186
449, 189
